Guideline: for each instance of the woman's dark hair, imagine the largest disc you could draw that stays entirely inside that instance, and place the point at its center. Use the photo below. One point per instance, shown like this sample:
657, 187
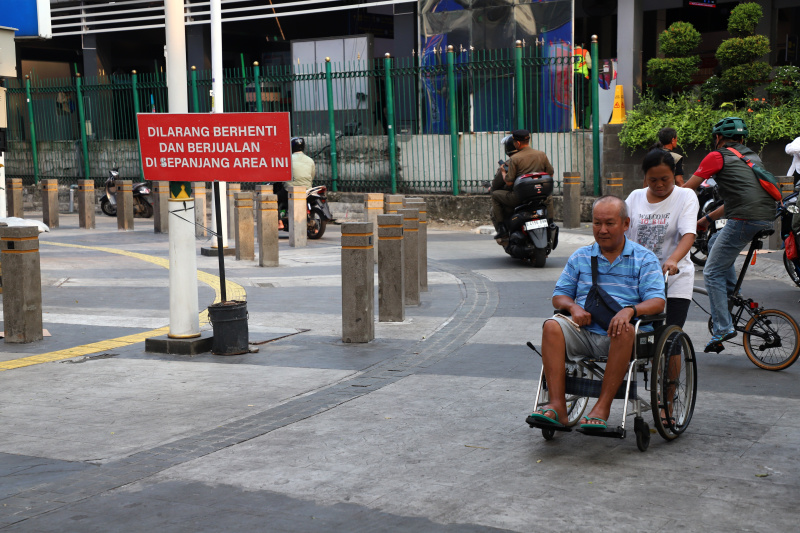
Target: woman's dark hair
658, 157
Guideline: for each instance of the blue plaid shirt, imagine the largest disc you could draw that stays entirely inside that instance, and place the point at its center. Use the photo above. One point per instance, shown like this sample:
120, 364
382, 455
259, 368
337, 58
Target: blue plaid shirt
633, 277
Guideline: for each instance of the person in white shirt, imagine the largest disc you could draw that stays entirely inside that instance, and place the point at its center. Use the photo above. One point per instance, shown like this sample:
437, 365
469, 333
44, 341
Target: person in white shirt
664, 220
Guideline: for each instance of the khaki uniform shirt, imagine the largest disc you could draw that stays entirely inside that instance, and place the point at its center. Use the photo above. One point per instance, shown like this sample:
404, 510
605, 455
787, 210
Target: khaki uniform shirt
526, 161
303, 170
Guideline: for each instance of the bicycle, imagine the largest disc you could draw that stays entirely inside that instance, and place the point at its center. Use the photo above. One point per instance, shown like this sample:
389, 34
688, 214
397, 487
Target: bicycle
778, 332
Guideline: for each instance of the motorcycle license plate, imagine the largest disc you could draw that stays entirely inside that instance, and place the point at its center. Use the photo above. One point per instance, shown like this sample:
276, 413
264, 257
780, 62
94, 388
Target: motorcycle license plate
535, 224
720, 223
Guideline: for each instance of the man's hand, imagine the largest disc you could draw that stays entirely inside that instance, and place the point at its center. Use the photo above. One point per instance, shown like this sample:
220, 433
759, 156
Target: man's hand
702, 224
579, 315
621, 322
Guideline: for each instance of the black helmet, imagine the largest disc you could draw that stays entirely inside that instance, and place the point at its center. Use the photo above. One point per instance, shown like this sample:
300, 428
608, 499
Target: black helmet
508, 144
730, 127
298, 144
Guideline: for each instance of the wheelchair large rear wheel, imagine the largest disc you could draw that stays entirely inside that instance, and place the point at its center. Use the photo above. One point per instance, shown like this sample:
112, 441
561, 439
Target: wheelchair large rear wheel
673, 383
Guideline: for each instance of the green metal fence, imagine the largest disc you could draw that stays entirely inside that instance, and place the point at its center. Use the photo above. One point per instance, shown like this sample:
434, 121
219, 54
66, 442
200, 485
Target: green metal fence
372, 125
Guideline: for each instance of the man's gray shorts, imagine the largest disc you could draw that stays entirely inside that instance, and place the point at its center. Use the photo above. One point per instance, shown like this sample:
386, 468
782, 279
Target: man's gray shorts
581, 343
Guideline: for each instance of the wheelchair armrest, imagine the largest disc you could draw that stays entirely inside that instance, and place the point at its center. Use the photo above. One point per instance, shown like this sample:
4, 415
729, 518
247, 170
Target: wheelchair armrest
564, 312
647, 319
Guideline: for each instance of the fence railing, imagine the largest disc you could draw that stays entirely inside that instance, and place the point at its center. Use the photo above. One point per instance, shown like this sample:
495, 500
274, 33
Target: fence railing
430, 124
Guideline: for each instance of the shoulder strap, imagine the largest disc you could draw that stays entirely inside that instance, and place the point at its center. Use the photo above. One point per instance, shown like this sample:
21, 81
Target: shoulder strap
594, 270
740, 156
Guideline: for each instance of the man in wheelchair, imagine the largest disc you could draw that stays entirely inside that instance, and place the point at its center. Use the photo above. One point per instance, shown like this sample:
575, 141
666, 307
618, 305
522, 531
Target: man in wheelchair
631, 275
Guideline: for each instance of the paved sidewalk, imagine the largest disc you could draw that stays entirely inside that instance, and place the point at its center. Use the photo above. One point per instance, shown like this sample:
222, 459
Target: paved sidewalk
420, 430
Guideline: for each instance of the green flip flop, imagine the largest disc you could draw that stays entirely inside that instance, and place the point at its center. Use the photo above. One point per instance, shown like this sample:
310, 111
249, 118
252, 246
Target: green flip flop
603, 425
540, 417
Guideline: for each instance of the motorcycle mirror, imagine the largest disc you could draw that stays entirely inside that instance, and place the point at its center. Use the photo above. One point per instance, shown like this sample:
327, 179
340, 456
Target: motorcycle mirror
793, 209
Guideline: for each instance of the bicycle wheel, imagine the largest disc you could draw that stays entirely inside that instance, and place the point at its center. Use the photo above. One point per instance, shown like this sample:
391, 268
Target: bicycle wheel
699, 252
792, 268
776, 337
673, 383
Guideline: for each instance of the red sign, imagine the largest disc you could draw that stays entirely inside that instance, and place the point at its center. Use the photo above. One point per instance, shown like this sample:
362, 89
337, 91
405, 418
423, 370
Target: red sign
215, 147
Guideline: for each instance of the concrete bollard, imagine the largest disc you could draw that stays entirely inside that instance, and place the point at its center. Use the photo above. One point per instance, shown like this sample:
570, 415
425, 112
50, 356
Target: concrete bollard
200, 209
391, 203
86, 204
245, 246
373, 206
298, 217
14, 197
160, 207
391, 282
50, 202
571, 210
411, 254
267, 230
22, 281
422, 207
358, 282
614, 185
787, 184
233, 188
124, 204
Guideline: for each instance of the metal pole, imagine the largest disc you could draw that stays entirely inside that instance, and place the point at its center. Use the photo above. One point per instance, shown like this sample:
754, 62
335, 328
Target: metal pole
134, 84
451, 108
387, 62
217, 89
195, 99
221, 257
518, 86
184, 320
331, 125
33, 131
595, 118
257, 81
82, 119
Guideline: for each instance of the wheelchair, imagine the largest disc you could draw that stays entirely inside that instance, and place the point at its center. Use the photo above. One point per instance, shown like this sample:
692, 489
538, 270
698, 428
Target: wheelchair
664, 359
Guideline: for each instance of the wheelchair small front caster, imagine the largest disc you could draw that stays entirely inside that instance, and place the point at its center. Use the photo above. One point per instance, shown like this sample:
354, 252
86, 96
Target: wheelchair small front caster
642, 431
548, 433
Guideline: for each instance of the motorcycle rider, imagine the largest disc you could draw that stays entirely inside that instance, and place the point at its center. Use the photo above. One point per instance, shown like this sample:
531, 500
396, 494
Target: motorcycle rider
303, 172
748, 208
525, 161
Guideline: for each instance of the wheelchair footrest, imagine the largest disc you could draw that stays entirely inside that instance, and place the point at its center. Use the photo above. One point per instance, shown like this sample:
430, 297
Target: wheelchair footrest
614, 433
591, 388
532, 422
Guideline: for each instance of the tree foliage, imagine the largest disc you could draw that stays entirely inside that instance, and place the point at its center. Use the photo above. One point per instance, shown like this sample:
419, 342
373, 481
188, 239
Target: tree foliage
677, 68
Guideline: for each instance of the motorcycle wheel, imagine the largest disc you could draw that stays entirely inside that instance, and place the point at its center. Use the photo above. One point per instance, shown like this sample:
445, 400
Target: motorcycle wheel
147, 208
539, 257
316, 225
107, 208
699, 252
792, 268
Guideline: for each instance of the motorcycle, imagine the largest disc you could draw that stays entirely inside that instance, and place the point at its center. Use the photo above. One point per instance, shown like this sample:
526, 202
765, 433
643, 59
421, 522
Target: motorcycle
709, 199
786, 212
142, 204
319, 214
531, 236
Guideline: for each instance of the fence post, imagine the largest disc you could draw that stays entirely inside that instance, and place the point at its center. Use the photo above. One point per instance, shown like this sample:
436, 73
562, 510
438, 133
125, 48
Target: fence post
331, 124
134, 85
82, 119
451, 108
195, 99
390, 129
33, 132
256, 76
595, 118
518, 86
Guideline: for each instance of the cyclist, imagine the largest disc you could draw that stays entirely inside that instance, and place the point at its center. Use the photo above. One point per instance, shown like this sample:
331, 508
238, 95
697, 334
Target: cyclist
748, 209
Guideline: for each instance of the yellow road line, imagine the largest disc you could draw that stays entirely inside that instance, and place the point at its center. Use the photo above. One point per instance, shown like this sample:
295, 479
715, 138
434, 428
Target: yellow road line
234, 291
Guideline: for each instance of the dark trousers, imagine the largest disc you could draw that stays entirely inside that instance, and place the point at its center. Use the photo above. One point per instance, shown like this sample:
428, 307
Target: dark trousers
677, 310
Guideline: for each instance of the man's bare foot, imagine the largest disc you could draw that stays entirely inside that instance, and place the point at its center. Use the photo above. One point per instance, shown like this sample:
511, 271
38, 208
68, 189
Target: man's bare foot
594, 419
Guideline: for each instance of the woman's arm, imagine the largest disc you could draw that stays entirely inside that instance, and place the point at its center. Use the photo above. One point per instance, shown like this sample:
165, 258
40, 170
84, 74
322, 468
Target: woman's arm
684, 245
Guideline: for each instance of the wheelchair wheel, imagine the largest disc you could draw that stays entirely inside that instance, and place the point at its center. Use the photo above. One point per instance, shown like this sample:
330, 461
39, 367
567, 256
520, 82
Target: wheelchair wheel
673, 383
642, 431
548, 433
776, 338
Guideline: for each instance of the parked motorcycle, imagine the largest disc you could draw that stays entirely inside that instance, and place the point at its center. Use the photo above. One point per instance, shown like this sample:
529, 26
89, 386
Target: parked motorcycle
142, 203
786, 212
319, 214
531, 236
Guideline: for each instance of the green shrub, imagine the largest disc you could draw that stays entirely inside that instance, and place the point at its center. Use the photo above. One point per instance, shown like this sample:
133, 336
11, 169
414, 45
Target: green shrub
672, 71
744, 19
740, 50
785, 85
741, 79
679, 40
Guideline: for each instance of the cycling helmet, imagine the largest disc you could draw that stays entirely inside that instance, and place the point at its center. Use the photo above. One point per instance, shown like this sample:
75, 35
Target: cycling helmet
298, 144
730, 127
508, 144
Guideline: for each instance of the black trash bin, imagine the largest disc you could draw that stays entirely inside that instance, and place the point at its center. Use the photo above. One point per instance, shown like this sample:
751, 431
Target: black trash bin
229, 320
